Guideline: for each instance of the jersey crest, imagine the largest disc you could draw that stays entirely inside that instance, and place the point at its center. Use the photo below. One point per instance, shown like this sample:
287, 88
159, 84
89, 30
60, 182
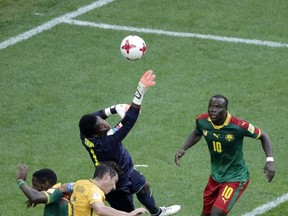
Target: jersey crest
229, 137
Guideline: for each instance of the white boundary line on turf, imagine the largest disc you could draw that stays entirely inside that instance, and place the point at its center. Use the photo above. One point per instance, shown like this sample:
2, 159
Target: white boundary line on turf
140, 165
67, 19
268, 206
48, 25
179, 34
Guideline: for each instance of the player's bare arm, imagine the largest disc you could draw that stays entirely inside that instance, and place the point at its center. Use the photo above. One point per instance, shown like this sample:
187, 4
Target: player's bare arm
102, 209
192, 139
34, 196
269, 167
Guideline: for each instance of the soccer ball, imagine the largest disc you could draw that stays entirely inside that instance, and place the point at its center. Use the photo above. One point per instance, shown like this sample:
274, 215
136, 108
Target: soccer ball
133, 47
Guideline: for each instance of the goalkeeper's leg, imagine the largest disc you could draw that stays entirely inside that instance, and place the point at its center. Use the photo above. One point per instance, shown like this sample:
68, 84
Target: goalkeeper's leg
146, 197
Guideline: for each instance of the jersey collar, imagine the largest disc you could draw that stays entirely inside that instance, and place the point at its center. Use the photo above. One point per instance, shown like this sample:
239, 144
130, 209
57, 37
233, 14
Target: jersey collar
57, 185
226, 122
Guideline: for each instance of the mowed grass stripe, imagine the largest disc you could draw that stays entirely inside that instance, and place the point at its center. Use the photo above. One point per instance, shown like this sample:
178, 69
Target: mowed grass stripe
69, 16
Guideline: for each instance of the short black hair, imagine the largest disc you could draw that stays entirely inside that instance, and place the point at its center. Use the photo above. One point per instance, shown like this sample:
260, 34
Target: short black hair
115, 166
221, 96
104, 168
87, 125
45, 175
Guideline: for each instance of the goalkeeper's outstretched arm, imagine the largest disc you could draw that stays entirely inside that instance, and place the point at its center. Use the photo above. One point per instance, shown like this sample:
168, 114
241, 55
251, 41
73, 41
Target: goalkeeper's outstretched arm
147, 80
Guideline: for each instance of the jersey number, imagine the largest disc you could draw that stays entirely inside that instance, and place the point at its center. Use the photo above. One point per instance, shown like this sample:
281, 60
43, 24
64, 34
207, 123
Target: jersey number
226, 194
90, 145
217, 147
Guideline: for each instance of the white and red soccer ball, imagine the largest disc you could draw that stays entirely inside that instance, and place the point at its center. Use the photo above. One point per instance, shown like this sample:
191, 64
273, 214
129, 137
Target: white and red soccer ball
133, 47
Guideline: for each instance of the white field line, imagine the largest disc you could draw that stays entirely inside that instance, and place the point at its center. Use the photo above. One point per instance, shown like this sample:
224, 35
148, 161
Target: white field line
268, 206
67, 19
140, 165
48, 25
179, 34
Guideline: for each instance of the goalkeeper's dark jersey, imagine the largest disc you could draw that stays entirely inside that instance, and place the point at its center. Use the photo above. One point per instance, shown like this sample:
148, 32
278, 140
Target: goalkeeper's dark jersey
110, 147
225, 143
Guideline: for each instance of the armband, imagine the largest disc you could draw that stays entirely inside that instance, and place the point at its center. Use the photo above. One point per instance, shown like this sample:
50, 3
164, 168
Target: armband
70, 187
20, 182
269, 159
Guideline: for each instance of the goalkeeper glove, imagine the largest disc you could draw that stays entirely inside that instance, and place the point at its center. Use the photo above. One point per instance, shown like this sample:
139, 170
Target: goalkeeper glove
146, 81
120, 109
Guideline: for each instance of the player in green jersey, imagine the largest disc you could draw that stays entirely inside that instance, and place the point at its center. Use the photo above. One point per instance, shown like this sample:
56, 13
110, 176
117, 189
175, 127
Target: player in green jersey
224, 136
44, 191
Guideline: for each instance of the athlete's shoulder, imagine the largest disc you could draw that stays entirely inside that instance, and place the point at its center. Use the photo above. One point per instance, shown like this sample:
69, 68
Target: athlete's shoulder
82, 182
239, 122
247, 126
202, 116
54, 189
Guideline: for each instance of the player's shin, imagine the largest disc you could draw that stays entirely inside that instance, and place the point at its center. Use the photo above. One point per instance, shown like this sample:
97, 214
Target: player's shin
146, 197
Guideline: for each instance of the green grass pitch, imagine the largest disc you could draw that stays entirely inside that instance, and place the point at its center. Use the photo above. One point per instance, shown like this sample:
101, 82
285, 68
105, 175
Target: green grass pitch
51, 79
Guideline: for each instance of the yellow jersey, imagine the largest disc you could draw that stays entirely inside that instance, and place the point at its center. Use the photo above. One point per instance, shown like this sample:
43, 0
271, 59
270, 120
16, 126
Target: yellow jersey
85, 192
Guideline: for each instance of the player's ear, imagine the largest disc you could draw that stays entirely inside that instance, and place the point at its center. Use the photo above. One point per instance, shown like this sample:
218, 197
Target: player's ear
106, 176
49, 185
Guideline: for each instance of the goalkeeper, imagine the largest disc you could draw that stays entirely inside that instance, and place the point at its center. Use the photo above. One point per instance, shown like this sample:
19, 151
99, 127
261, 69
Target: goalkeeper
104, 143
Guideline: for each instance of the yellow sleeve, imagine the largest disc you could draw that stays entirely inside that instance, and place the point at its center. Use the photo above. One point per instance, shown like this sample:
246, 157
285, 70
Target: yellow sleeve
48, 197
96, 195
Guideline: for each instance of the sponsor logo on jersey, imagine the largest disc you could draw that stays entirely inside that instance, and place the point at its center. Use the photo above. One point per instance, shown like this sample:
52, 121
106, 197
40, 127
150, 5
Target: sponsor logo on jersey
115, 129
216, 135
229, 137
224, 200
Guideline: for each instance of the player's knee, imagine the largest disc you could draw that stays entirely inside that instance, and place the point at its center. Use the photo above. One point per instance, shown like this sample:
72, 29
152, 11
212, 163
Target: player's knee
217, 212
145, 189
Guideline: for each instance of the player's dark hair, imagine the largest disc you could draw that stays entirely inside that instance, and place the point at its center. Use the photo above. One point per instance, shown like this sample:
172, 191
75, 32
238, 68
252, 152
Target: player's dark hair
221, 96
87, 125
103, 168
115, 166
45, 175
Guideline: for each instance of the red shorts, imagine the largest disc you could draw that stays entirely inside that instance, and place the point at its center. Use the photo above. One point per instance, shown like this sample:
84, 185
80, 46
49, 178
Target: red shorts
222, 195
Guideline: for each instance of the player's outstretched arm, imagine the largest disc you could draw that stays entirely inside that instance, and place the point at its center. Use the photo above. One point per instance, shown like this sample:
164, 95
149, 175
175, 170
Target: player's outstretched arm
120, 109
101, 209
269, 167
138, 211
147, 80
33, 195
192, 139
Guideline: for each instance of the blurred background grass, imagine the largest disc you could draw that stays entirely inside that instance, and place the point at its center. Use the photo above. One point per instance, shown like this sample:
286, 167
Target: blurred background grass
50, 80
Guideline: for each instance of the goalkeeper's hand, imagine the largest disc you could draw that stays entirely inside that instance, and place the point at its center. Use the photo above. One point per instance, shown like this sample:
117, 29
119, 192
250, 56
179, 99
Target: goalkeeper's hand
146, 81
